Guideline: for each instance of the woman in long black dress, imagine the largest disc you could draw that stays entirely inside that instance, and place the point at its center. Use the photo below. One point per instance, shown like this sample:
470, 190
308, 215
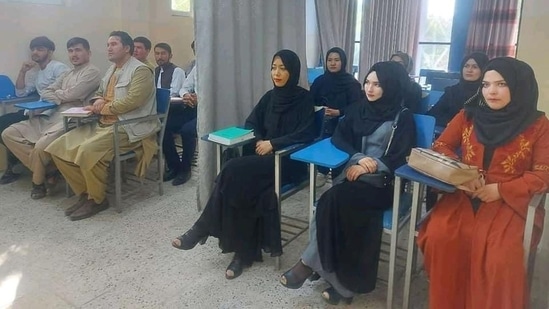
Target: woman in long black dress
242, 210
455, 96
346, 233
335, 90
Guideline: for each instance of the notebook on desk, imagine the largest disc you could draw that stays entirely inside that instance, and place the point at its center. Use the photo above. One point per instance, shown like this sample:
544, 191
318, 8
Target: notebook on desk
231, 136
76, 112
36, 105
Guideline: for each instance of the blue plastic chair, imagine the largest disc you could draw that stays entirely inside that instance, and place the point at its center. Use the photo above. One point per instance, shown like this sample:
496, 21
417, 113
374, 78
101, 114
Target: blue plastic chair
7, 88
313, 73
429, 101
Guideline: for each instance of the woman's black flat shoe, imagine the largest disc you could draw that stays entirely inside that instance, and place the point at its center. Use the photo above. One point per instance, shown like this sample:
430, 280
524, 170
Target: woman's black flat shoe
332, 297
235, 268
296, 276
190, 239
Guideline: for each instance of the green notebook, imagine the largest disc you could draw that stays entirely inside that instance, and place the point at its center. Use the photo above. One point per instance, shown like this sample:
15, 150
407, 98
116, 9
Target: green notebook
231, 135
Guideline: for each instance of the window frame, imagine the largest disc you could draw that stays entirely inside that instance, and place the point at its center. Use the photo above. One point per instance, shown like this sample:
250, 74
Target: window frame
182, 13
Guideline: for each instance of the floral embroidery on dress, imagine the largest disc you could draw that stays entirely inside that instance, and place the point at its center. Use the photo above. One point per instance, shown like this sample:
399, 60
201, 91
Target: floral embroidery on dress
509, 164
541, 167
468, 152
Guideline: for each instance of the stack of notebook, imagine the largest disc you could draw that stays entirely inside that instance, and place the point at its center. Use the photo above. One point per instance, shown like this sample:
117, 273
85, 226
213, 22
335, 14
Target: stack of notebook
230, 136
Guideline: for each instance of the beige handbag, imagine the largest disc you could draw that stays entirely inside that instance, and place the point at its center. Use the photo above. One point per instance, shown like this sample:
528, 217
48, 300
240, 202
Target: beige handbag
441, 167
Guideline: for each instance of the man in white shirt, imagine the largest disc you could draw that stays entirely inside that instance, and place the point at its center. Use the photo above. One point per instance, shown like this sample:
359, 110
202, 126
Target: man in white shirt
181, 120
28, 139
167, 75
34, 76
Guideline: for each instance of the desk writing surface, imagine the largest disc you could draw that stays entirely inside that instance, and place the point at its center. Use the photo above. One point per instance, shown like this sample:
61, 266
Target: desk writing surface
322, 153
409, 173
36, 105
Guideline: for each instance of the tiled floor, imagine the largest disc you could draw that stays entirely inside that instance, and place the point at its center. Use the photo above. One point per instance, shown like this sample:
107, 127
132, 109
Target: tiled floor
126, 261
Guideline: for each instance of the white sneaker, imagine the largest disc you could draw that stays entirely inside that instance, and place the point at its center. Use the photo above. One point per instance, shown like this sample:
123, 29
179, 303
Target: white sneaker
320, 180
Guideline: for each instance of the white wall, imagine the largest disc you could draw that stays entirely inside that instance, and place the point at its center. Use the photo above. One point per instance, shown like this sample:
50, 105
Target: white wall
93, 20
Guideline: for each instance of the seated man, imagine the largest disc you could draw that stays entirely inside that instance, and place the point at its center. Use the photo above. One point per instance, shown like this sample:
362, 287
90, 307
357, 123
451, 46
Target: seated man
28, 139
182, 120
188, 68
142, 48
167, 75
83, 155
34, 76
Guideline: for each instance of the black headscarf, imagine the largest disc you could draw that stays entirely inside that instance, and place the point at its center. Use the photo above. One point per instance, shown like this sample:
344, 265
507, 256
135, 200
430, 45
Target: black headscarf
494, 128
284, 97
470, 88
395, 83
408, 63
335, 82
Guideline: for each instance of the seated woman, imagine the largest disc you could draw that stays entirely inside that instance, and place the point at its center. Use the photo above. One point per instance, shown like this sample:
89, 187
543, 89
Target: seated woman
455, 96
242, 210
335, 89
346, 231
472, 241
413, 99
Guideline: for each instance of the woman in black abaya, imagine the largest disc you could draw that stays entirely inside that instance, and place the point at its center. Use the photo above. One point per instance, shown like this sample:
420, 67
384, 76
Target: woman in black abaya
346, 233
242, 210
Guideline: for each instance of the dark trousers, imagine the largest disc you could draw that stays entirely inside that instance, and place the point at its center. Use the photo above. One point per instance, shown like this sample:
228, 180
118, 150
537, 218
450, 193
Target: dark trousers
6, 121
181, 120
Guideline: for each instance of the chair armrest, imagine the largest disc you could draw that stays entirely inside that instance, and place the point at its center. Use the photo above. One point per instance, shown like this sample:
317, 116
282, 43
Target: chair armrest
536, 201
289, 149
322, 153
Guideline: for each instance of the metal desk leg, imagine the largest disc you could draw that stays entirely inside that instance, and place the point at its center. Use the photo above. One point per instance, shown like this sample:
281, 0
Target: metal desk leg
312, 194
218, 158
393, 247
415, 211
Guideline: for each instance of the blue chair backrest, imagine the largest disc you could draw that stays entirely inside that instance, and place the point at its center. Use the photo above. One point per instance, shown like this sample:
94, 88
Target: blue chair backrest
162, 100
313, 73
425, 130
430, 100
7, 88
439, 84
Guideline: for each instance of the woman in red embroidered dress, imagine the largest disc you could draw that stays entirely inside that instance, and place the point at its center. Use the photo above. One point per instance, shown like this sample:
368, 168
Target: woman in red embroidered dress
472, 241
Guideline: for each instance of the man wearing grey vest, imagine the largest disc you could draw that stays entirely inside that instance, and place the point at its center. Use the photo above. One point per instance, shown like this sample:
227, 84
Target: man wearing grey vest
83, 155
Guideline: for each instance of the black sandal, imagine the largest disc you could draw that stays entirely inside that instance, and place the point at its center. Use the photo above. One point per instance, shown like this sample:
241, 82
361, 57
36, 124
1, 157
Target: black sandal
332, 297
236, 267
38, 191
190, 239
296, 276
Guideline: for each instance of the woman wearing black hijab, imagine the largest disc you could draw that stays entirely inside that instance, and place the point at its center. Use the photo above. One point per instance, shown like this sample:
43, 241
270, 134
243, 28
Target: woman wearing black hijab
242, 210
346, 231
455, 96
335, 89
473, 240
413, 99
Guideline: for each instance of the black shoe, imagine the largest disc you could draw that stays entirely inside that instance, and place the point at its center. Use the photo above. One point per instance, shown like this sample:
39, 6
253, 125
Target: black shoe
181, 178
296, 276
332, 297
169, 175
236, 267
190, 239
8, 177
38, 191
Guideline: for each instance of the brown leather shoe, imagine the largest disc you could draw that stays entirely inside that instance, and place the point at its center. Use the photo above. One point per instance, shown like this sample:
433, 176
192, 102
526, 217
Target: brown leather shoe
73, 208
88, 209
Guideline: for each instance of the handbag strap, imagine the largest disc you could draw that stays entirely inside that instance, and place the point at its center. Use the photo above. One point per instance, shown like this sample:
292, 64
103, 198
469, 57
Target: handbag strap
394, 126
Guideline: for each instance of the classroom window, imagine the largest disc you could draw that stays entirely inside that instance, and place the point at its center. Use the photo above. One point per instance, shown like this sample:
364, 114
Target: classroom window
435, 32
182, 7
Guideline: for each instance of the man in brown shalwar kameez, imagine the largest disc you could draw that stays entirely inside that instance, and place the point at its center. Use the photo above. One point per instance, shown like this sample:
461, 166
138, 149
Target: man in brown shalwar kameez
83, 155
